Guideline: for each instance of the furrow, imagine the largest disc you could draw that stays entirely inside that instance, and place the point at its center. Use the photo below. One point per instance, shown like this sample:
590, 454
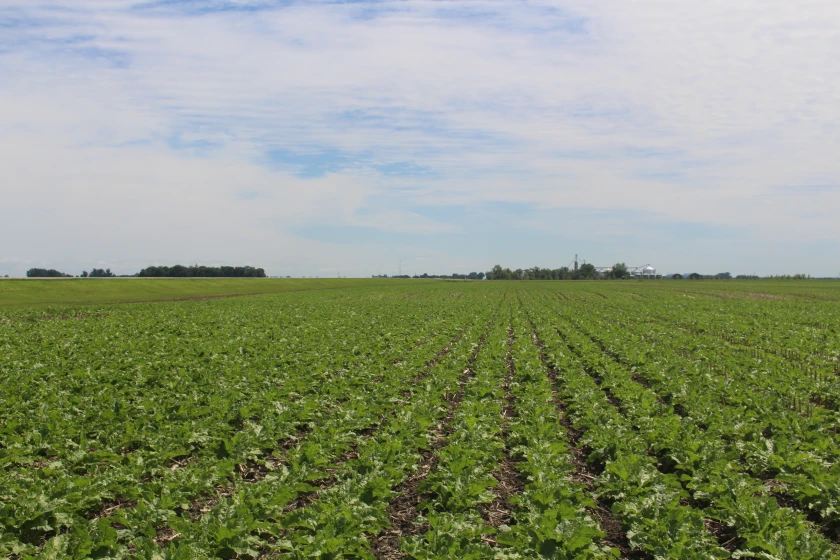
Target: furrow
665, 432
403, 510
646, 501
251, 470
293, 464
780, 490
586, 472
510, 480
349, 515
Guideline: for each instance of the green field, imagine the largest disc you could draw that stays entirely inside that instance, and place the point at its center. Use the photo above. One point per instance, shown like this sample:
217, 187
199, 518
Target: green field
404, 419
18, 293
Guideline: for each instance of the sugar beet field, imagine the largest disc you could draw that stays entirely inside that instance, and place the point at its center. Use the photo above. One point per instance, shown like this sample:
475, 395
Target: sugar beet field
671, 419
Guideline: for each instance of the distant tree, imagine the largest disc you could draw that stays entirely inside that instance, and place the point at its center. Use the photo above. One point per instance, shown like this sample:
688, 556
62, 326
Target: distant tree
587, 272
499, 273
84, 274
99, 273
677, 277
46, 273
694, 276
536, 273
197, 271
619, 271
723, 276
789, 277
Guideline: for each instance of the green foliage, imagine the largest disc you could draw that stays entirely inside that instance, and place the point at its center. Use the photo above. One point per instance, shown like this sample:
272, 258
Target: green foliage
619, 270
46, 273
100, 273
20, 293
196, 271
700, 419
586, 272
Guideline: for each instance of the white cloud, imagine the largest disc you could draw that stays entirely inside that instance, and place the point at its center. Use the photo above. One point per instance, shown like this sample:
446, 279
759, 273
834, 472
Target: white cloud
149, 122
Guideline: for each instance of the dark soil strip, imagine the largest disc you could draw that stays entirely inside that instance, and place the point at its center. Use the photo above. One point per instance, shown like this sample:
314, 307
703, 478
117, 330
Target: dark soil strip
109, 507
586, 472
328, 482
403, 510
726, 536
829, 529
511, 482
255, 471
596, 293
57, 317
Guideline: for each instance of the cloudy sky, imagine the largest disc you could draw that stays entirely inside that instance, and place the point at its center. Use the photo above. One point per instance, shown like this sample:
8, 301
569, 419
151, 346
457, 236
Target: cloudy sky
318, 138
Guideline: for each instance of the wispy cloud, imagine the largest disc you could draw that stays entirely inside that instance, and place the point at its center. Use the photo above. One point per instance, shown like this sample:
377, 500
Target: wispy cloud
254, 120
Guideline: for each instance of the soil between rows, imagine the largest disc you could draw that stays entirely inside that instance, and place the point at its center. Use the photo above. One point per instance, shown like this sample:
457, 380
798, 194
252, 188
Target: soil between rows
586, 472
403, 510
510, 481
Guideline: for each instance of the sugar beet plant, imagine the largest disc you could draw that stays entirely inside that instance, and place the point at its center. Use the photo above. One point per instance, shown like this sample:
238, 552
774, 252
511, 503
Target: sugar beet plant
434, 420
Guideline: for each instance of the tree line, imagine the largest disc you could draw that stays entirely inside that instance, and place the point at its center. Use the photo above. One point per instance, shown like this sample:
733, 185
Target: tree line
177, 271
586, 271
453, 276
46, 273
98, 273
197, 271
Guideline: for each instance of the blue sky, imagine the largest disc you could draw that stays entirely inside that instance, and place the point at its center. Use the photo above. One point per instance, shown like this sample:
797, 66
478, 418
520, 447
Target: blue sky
313, 138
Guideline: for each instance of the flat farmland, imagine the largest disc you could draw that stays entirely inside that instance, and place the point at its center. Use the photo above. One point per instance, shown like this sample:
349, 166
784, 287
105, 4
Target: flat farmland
39, 292
404, 419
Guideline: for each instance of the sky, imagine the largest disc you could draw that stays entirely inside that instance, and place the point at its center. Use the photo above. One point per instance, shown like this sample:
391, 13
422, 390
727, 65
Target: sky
361, 137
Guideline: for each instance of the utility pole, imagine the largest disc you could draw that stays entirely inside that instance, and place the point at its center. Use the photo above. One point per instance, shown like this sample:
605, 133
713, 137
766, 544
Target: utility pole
576, 262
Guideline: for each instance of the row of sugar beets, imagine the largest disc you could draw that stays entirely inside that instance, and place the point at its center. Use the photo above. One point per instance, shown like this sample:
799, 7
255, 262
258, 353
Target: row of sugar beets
794, 455
746, 520
149, 507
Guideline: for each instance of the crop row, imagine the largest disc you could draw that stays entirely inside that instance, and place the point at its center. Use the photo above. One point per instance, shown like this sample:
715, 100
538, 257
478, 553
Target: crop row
469, 420
736, 503
136, 505
792, 453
